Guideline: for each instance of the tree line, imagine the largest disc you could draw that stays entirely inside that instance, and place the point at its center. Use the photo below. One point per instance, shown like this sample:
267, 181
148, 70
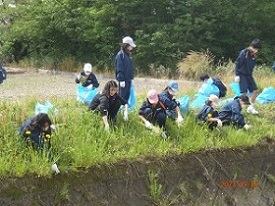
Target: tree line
164, 30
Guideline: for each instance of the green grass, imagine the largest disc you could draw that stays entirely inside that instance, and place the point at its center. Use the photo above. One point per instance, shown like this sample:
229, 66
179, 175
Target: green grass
80, 141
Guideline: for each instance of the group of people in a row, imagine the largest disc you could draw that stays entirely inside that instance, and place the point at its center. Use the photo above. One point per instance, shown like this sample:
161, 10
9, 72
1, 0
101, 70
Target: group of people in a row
157, 106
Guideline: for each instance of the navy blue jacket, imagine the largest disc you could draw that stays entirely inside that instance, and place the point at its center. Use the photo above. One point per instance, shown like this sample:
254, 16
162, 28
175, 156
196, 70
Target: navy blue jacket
206, 112
103, 103
245, 63
232, 111
155, 109
91, 79
124, 66
167, 100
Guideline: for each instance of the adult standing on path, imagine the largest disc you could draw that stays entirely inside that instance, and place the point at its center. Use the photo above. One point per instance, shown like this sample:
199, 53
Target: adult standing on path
244, 67
124, 67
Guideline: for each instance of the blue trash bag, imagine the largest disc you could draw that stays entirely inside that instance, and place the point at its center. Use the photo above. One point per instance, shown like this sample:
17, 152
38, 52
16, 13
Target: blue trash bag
199, 101
209, 88
266, 96
85, 95
184, 104
132, 99
225, 101
45, 108
236, 89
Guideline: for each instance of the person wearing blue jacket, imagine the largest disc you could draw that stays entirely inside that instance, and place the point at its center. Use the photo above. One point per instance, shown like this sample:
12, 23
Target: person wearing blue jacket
87, 78
124, 67
171, 105
244, 67
208, 113
231, 112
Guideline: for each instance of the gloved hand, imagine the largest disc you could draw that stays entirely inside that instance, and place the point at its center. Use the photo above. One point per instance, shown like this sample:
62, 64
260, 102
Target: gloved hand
90, 86
179, 120
122, 84
107, 128
125, 115
52, 127
247, 127
237, 79
148, 125
78, 76
219, 123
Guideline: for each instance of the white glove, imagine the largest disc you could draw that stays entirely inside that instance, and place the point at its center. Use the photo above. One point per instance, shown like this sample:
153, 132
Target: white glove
219, 123
179, 120
125, 115
107, 128
247, 127
122, 84
148, 125
53, 127
237, 79
78, 77
90, 86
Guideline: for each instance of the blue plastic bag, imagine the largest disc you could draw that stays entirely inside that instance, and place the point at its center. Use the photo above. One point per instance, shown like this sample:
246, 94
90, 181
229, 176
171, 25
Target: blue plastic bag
236, 89
132, 99
45, 108
85, 95
267, 96
199, 101
209, 88
184, 104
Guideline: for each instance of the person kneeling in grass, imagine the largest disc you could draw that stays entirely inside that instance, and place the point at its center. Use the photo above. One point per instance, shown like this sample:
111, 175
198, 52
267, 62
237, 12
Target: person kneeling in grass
37, 132
87, 78
152, 112
171, 105
231, 112
208, 114
108, 103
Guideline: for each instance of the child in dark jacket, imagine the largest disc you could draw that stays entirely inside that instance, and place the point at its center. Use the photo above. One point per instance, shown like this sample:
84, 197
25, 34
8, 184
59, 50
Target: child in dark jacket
208, 114
171, 105
87, 78
231, 112
108, 103
152, 112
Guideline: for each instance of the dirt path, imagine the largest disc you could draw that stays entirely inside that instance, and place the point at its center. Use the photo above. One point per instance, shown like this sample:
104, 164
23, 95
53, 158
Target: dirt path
43, 84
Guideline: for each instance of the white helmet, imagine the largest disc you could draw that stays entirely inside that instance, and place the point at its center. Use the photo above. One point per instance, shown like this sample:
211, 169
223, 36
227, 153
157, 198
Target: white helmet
129, 40
87, 68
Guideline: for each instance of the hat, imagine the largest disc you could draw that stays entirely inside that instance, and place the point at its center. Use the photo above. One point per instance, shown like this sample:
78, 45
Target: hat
128, 40
256, 43
152, 96
214, 99
244, 98
87, 68
174, 86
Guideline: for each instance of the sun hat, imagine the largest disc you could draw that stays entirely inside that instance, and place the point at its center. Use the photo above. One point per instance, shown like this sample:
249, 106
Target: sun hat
174, 86
152, 96
129, 40
87, 68
214, 99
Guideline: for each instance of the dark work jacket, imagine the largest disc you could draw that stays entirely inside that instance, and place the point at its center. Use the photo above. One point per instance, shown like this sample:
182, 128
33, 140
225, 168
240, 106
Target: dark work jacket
124, 66
103, 103
167, 100
232, 111
245, 63
206, 113
91, 79
155, 109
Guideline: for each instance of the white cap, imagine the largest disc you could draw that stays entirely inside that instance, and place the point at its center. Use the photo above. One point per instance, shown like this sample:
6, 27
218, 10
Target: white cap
87, 68
129, 40
214, 98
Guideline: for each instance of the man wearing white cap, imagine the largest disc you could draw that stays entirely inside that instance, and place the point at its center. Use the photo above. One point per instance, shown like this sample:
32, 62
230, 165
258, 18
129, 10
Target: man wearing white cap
124, 67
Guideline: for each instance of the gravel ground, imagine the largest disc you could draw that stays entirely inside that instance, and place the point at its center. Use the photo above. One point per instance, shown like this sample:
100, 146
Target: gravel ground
43, 84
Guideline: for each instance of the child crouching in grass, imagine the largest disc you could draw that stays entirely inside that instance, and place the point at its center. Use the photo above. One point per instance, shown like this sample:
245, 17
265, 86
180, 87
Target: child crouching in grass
152, 112
37, 132
208, 114
108, 103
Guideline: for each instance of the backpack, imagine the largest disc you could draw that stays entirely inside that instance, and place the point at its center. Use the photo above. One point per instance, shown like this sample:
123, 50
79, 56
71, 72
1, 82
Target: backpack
221, 86
3, 74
